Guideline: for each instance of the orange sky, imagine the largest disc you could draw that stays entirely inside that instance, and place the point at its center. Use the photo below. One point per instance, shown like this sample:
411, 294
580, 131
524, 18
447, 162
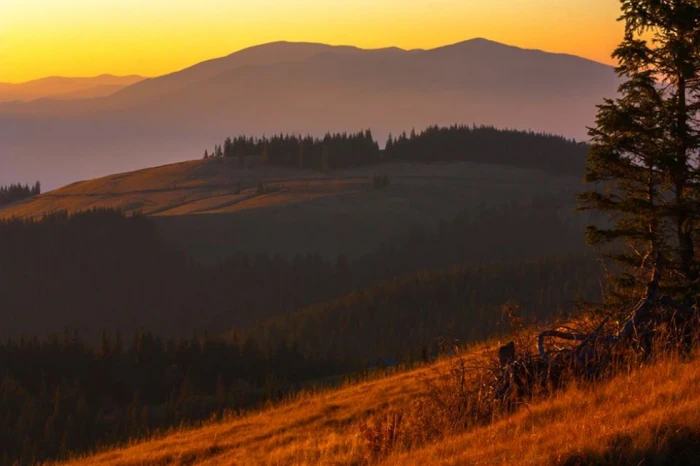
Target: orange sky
151, 37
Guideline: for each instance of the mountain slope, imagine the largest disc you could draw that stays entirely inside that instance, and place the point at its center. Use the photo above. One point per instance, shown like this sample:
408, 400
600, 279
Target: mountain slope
467, 82
101, 90
149, 89
66, 88
291, 87
276, 52
473, 66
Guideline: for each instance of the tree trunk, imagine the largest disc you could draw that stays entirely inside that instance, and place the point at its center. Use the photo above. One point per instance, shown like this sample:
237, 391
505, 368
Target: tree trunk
684, 229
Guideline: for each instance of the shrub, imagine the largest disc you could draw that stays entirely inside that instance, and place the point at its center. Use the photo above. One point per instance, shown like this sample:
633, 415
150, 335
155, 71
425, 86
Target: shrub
468, 396
453, 401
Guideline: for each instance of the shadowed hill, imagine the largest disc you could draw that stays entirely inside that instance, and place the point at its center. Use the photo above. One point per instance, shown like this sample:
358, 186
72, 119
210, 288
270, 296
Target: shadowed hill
62, 269
101, 270
213, 209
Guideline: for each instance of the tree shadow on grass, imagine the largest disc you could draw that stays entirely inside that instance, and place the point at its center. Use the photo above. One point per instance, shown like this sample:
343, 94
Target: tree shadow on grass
672, 446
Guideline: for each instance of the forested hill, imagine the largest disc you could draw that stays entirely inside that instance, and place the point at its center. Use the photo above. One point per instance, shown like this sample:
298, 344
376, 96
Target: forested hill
489, 145
457, 143
102, 270
406, 318
121, 309
16, 192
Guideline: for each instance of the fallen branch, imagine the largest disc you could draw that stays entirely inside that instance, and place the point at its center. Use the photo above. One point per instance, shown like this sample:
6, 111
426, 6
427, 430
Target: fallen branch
595, 349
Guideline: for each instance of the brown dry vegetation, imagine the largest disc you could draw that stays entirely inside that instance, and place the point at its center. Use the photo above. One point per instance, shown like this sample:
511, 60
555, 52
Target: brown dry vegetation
646, 415
650, 416
320, 428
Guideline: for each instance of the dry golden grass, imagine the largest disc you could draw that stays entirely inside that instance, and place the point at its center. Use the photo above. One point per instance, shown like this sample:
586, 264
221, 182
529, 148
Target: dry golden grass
319, 428
652, 412
221, 186
181, 188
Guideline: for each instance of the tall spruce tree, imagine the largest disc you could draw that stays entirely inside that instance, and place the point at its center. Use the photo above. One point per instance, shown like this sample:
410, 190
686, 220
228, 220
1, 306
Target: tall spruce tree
644, 157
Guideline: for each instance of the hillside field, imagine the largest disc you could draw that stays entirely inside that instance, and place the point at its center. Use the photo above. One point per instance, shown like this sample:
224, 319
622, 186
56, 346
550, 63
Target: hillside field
214, 208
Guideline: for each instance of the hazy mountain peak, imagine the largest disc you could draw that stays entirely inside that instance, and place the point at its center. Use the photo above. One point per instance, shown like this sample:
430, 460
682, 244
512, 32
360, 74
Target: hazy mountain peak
505, 51
280, 46
483, 40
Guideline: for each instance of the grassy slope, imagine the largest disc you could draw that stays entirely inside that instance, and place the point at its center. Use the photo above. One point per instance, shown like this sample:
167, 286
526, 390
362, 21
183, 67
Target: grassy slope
653, 411
651, 416
205, 187
196, 206
312, 429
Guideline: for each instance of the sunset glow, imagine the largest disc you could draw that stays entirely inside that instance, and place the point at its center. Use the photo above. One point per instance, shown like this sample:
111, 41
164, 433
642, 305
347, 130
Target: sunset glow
41, 38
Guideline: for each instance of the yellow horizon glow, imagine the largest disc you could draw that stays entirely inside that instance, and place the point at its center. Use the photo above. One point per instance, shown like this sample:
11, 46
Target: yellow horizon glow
40, 38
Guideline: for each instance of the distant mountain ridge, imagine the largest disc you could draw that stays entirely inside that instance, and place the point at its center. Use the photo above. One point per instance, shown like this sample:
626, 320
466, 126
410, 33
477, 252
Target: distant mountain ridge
307, 88
66, 88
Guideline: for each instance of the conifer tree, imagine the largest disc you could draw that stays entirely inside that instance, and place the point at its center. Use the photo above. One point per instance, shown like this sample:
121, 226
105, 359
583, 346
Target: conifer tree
645, 149
389, 146
302, 155
325, 158
265, 155
228, 148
